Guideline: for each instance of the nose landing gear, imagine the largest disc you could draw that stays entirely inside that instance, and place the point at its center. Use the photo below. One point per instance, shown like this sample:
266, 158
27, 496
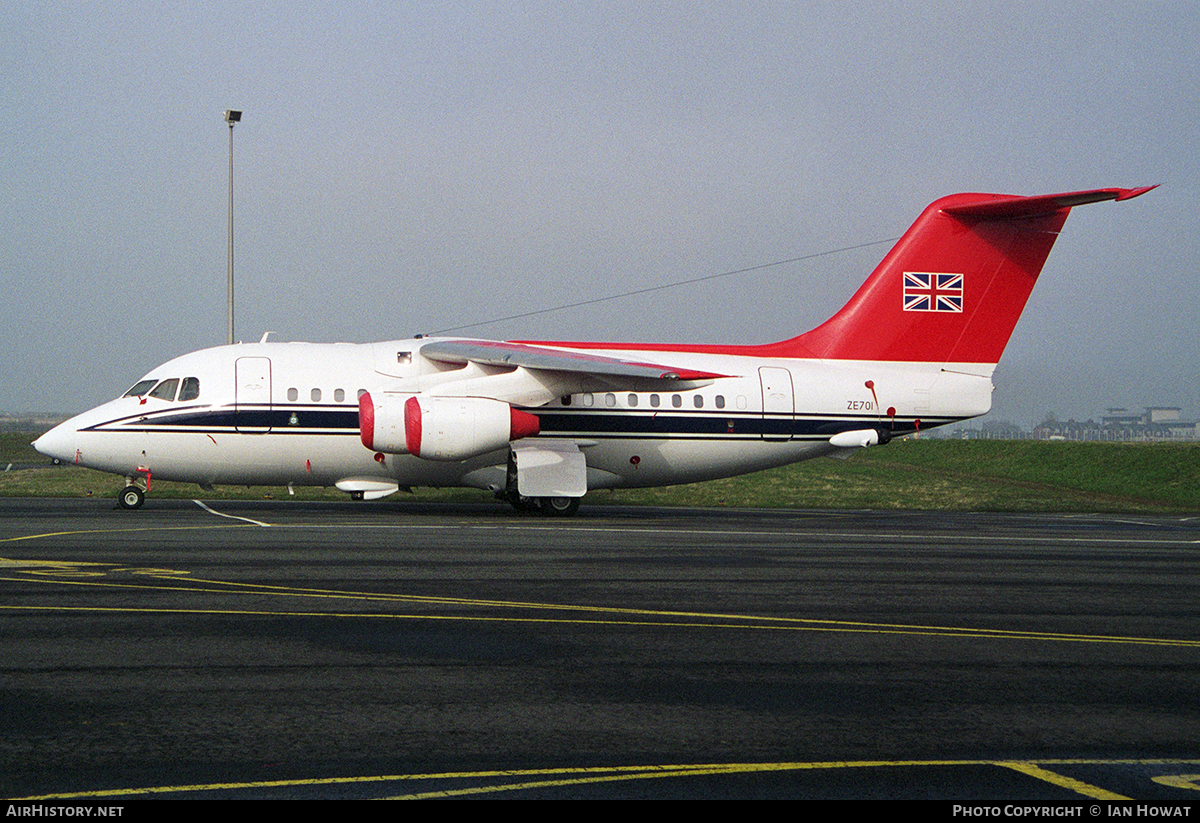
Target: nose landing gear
134, 493
131, 497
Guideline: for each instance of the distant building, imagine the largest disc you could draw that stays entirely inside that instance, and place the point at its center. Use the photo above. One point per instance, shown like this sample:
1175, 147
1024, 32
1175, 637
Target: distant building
1162, 414
1155, 424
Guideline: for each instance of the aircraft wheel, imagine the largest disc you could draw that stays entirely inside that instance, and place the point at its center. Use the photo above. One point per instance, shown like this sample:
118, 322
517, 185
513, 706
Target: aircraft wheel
559, 506
131, 497
525, 505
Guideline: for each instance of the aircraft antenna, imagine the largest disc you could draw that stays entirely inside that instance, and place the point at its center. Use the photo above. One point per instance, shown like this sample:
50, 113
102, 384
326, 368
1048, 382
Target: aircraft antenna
664, 286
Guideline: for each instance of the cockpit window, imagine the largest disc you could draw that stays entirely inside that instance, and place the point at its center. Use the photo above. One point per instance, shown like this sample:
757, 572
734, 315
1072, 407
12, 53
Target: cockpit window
141, 388
166, 389
190, 389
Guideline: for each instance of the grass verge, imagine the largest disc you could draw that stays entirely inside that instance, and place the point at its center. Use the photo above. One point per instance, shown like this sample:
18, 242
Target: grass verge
923, 474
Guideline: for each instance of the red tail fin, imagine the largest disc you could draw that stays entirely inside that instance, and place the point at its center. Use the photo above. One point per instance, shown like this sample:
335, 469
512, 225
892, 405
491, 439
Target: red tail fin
954, 286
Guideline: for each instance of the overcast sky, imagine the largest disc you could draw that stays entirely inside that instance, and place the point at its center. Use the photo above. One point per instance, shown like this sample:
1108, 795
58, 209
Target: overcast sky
404, 170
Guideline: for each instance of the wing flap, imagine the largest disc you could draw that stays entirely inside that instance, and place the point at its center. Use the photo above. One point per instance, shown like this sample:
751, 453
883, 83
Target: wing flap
496, 353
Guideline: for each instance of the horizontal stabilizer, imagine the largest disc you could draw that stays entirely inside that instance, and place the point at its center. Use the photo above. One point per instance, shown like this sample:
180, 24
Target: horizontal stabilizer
1001, 206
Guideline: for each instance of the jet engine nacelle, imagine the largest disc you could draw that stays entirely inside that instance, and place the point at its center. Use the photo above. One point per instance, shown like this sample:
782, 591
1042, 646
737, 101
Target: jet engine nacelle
441, 428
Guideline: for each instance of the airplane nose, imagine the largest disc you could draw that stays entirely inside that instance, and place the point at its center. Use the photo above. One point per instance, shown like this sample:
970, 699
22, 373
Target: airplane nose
58, 443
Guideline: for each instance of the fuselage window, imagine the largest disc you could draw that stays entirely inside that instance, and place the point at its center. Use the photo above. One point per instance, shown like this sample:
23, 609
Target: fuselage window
338, 395
610, 399
140, 388
166, 389
632, 400
720, 401
293, 395
587, 398
676, 401
361, 392
315, 394
698, 401
566, 399
741, 401
654, 400
190, 389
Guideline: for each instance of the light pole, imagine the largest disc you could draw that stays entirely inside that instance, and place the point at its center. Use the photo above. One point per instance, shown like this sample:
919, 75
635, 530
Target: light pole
231, 116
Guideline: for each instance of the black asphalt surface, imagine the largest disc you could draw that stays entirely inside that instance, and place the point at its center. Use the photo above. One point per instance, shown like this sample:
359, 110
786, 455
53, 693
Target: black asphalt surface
279, 649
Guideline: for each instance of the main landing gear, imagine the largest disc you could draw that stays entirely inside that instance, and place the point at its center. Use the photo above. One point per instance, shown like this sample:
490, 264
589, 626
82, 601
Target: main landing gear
545, 506
559, 506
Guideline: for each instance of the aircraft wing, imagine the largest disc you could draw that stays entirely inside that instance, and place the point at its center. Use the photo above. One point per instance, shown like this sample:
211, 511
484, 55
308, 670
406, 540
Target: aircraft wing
496, 353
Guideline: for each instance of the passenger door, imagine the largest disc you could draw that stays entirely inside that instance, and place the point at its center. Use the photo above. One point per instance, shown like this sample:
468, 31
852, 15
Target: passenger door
252, 397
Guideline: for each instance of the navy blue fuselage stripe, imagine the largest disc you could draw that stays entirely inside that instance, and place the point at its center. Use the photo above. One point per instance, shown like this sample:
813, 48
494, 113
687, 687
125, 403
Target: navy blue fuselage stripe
579, 423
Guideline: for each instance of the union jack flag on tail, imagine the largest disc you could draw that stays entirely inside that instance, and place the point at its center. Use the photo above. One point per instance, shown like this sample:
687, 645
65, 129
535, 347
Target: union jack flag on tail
930, 291
915, 307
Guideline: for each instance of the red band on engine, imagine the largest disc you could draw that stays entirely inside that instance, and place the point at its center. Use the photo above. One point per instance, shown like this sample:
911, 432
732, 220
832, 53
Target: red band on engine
412, 426
522, 424
366, 420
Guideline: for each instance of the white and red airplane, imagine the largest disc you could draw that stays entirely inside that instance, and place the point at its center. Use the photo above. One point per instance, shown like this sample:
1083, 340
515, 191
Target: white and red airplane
540, 423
